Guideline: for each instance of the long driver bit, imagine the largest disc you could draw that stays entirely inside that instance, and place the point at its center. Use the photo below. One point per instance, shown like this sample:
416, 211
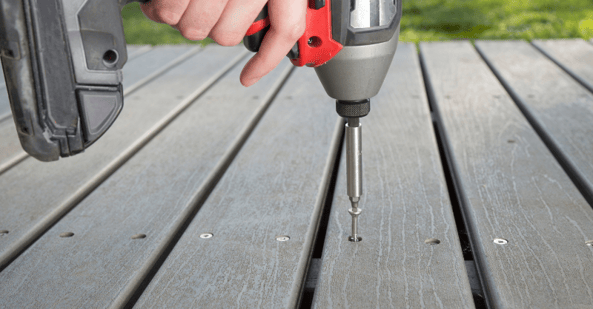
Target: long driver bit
354, 171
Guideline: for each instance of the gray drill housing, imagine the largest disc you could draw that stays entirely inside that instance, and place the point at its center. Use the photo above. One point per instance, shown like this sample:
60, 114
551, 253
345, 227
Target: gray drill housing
62, 61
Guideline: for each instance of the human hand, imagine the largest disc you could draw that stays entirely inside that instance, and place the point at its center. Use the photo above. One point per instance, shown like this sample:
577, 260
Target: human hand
227, 21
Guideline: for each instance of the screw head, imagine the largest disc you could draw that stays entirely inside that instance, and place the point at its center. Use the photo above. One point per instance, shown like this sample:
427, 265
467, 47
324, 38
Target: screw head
283, 238
352, 239
500, 241
206, 235
66, 234
589, 243
3, 232
432, 241
139, 236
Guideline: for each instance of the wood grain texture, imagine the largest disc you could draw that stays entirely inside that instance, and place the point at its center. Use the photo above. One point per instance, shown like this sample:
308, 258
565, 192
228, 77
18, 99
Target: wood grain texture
558, 107
275, 186
510, 187
147, 195
135, 72
574, 55
404, 202
36, 194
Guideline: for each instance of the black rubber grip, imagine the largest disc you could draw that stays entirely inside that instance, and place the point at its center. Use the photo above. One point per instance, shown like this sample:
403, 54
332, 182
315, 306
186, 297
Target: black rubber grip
253, 42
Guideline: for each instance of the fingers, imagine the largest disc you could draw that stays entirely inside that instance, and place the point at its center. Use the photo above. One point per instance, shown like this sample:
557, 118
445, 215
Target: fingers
235, 20
287, 25
199, 18
165, 11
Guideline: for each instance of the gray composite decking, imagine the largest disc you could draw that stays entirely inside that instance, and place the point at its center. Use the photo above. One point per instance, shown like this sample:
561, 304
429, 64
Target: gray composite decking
464, 145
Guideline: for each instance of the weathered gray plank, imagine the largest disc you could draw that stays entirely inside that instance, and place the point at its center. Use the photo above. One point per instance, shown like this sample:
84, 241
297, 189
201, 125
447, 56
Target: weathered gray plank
276, 186
405, 202
558, 107
575, 56
137, 73
36, 194
136, 50
510, 187
161, 184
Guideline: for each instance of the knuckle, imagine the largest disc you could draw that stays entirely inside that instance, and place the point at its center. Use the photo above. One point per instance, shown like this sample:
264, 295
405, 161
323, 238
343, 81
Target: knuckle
169, 18
293, 31
193, 34
227, 39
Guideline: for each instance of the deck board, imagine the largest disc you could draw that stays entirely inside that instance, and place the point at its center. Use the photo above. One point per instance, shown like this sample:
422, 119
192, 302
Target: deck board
149, 195
404, 202
558, 107
137, 50
137, 72
510, 187
37, 194
193, 151
275, 186
574, 56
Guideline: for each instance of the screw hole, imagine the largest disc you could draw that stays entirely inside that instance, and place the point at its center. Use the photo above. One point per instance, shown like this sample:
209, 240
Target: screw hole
511, 141
206, 235
314, 41
3, 232
8, 53
352, 239
139, 236
500, 241
432, 241
66, 234
110, 58
283, 238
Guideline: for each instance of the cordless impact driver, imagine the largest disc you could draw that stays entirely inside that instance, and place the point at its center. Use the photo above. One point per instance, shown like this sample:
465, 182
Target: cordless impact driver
62, 62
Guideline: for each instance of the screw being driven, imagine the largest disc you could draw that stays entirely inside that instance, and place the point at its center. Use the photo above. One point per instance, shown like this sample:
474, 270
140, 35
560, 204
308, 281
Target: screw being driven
354, 212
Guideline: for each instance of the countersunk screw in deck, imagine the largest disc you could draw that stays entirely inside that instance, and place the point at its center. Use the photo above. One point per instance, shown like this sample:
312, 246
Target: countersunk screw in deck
206, 235
283, 238
500, 241
589, 243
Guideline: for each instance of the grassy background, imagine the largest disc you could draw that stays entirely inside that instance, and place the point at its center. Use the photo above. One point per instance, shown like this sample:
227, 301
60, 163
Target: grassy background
431, 20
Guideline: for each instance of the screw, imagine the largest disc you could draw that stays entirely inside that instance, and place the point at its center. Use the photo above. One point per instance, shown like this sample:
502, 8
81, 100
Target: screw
3, 232
139, 236
282, 238
500, 241
589, 243
432, 241
206, 235
66, 234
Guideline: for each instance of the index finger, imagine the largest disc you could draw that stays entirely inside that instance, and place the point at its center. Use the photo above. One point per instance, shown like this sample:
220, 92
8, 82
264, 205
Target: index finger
287, 25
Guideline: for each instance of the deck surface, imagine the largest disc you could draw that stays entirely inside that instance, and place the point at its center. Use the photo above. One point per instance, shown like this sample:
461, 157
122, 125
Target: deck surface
478, 188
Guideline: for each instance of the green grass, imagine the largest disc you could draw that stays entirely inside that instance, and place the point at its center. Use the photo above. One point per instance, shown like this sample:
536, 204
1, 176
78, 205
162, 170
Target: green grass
432, 20
141, 30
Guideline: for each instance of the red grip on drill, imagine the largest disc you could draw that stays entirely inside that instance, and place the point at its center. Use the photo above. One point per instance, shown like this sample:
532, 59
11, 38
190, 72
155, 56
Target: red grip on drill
316, 45
258, 26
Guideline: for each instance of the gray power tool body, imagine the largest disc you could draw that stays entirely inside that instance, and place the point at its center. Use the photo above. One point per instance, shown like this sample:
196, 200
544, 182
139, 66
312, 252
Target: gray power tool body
62, 62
